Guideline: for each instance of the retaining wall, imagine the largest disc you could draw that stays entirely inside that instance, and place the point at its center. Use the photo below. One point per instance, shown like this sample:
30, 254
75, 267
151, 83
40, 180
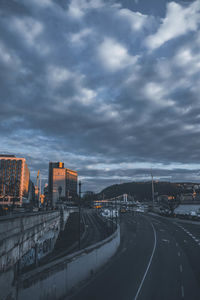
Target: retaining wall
18, 235
57, 279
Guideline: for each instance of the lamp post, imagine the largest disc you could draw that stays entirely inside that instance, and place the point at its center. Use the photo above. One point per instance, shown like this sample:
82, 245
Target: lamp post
152, 186
79, 215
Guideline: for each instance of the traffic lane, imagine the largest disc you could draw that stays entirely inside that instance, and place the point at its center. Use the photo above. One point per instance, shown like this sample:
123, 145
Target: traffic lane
165, 277
122, 276
191, 229
188, 253
188, 241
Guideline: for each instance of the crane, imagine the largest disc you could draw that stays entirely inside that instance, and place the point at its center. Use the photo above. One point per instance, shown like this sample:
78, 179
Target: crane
37, 187
38, 174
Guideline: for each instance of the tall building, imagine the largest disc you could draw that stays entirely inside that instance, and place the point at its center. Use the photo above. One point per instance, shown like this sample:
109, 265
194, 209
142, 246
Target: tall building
62, 183
51, 184
14, 180
58, 184
71, 183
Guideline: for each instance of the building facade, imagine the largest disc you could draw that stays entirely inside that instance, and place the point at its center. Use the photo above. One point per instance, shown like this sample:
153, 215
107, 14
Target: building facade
62, 183
14, 180
58, 184
71, 183
52, 165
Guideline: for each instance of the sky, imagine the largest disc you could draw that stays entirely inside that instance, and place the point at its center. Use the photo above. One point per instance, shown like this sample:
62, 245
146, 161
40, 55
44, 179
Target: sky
111, 88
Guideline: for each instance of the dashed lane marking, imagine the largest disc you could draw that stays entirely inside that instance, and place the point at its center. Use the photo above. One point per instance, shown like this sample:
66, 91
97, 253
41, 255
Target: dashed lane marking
181, 268
182, 291
166, 241
191, 235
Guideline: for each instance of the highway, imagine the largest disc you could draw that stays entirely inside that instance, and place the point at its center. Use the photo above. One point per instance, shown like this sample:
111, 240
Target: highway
158, 259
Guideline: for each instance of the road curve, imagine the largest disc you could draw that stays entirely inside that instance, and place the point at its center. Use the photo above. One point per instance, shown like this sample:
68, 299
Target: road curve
158, 259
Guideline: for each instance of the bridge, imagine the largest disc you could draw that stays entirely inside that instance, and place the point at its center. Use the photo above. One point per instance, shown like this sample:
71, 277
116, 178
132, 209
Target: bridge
123, 199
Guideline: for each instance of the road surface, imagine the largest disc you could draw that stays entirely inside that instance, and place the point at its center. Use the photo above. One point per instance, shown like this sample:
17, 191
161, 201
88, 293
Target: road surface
158, 259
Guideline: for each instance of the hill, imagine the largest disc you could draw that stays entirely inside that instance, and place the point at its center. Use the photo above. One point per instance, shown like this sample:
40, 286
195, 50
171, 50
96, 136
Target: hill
141, 190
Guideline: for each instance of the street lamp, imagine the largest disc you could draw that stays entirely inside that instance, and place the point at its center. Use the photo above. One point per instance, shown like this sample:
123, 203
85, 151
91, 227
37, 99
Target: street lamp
79, 216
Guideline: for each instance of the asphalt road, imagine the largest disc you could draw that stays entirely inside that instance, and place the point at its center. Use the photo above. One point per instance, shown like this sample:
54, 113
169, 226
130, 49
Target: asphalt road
158, 259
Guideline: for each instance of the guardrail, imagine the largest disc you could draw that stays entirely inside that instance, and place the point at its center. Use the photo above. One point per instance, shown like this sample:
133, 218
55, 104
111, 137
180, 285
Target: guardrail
56, 279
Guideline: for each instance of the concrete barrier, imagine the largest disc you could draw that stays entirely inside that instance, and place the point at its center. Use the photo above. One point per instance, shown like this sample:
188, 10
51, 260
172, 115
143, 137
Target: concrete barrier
56, 279
18, 235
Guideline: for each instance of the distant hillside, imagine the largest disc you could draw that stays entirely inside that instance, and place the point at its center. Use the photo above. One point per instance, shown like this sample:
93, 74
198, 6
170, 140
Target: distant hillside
141, 190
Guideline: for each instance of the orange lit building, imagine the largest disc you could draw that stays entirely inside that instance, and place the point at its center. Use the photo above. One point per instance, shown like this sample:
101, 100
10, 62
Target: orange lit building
62, 183
71, 183
58, 184
14, 180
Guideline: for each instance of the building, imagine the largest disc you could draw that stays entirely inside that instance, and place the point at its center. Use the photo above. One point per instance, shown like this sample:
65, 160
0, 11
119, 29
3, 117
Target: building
31, 194
52, 165
58, 184
71, 184
62, 183
46, 194
14, 180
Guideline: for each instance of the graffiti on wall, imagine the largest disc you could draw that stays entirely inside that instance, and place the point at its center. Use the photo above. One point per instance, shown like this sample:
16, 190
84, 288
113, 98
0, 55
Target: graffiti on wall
27, 260
44, 246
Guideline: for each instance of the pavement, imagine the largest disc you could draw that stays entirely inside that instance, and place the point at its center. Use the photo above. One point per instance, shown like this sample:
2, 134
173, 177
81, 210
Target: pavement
158, 259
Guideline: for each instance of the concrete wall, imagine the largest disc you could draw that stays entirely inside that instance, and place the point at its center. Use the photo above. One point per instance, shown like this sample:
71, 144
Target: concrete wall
18, 235
57, 279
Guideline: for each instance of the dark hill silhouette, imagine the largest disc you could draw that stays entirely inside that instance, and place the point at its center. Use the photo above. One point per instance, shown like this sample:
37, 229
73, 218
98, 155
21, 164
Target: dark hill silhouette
141, 190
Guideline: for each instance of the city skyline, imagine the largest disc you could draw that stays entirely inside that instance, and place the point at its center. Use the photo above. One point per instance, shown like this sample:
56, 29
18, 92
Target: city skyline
110, 88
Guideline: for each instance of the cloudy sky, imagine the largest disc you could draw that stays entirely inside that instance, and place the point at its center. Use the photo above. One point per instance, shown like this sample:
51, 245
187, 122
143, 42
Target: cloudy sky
112, 88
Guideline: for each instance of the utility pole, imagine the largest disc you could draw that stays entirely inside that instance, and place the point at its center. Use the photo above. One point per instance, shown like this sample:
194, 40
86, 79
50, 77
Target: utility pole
152, 187
79, 210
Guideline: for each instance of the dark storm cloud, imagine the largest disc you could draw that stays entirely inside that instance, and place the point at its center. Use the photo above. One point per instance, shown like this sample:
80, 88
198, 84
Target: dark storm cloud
95, 82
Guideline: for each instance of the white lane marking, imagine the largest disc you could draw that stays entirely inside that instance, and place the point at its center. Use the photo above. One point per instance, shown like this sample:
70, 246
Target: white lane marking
179, 254
123, 250
147, 269
176, 244
191, 235
166, 241
182, 292
181, 268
